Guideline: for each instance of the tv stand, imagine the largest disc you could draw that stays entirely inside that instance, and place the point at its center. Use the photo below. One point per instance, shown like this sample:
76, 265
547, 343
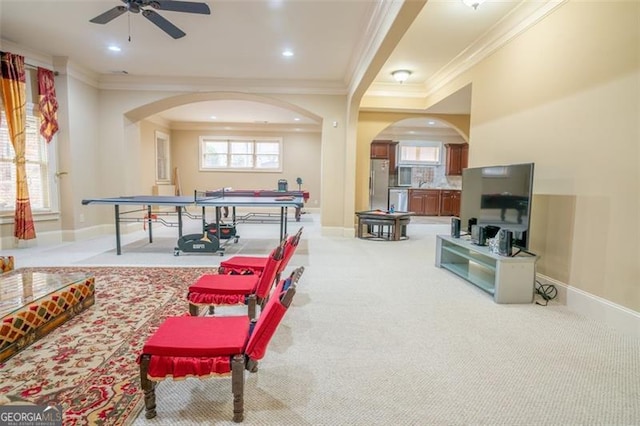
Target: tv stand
507, 279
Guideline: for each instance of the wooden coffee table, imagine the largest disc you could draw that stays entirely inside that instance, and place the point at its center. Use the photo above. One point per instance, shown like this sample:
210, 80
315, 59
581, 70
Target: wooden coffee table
32, 304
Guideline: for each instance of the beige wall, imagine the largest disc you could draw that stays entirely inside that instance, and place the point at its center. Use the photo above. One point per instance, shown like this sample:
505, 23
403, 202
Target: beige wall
301, 153
565, 95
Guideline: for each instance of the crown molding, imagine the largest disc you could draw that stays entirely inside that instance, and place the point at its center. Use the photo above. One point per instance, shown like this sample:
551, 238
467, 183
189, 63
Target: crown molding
204, 84
516, 22
381, 18
520, 19
246, 127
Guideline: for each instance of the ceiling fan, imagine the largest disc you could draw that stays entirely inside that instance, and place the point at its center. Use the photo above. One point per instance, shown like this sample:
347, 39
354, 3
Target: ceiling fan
147, 8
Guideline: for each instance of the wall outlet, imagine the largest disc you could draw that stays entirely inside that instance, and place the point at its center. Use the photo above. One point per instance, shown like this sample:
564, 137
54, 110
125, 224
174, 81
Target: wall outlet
81, 218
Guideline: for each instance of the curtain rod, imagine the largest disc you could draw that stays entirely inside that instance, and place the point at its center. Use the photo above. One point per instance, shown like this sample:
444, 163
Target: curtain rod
35, 67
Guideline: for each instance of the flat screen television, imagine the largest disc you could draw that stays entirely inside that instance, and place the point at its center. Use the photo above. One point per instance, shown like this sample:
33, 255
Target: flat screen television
499, 197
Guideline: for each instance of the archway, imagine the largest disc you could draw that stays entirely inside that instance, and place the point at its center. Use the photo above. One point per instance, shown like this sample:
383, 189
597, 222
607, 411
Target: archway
141, 129
379, 125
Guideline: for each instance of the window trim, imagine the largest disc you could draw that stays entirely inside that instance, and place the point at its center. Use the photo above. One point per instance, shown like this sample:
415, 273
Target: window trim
161, 136
212, 138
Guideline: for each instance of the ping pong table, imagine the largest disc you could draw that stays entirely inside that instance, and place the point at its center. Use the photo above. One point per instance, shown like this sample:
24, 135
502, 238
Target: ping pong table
207, 199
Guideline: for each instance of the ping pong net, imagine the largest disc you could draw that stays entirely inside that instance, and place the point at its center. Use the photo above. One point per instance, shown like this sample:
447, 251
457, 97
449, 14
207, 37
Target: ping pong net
199, 196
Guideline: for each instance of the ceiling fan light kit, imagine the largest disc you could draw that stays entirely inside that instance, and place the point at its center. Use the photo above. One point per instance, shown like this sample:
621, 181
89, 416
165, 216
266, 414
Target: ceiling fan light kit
147, 8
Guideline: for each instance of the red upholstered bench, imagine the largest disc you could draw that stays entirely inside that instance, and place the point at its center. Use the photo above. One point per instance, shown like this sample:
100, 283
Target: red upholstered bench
255, 264
208, 346
223, 289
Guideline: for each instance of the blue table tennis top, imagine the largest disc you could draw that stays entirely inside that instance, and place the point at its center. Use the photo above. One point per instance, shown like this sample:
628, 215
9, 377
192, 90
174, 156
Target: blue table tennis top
183, 200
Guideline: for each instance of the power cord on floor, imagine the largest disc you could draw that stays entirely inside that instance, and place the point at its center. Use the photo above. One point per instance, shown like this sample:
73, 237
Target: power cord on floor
546, 291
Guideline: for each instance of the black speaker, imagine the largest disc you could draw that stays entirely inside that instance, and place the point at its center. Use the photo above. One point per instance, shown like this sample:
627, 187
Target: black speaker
455, 227
470, 223
490, 231
505, 242
478, 235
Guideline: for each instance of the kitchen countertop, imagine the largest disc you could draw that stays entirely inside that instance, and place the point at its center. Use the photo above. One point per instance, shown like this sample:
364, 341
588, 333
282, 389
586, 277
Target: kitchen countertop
442, 188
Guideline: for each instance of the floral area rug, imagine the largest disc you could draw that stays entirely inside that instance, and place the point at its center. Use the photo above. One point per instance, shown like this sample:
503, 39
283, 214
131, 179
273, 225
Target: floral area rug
88, 364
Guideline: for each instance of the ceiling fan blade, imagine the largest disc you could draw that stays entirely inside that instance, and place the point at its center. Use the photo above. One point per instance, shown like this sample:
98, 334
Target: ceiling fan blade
181, 6
109, 15
163, 24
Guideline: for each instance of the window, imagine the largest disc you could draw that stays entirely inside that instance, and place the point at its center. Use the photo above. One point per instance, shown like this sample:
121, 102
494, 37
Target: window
420, 152
163, 155
37, 163
237, 153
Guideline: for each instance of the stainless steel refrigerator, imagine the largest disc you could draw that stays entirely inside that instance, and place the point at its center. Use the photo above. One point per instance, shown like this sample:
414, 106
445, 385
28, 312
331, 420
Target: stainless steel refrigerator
379, 185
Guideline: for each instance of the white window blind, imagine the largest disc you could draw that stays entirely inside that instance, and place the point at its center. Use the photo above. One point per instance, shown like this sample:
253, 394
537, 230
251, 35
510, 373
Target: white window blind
420, 152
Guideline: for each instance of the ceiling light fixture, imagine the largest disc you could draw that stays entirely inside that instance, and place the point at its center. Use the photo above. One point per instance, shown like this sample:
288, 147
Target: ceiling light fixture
473, 3
401, 75
288, 53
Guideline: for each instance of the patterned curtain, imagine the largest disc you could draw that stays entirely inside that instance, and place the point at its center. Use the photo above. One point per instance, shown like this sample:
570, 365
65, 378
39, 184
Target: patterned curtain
47, 104
13, 84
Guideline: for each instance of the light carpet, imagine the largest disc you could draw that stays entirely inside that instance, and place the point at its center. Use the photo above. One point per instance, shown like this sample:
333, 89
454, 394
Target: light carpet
377, 335
373, 342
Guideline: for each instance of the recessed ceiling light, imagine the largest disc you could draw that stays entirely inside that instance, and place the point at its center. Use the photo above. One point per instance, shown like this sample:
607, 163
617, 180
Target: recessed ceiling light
287, 52
296, 119
431, 122
114, 48
213, 117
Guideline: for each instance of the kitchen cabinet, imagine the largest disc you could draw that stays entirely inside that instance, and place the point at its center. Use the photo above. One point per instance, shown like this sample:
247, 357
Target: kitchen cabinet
457, 158
424, 202
449, 203
380, 150
385, 150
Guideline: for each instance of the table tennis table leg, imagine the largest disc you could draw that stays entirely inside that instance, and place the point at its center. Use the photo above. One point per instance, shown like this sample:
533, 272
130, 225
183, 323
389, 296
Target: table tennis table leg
179, 222
118, 250
218, 218
283, 222
149, 223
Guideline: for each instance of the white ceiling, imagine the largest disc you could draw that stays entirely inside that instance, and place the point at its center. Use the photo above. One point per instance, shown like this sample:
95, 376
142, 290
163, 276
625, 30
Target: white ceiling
239, 47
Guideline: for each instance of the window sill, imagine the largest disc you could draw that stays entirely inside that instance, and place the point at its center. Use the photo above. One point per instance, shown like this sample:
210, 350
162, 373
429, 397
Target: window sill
7, 217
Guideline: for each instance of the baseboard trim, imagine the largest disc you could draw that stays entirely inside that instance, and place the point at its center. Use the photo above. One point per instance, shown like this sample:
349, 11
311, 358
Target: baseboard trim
624, 320
336, 231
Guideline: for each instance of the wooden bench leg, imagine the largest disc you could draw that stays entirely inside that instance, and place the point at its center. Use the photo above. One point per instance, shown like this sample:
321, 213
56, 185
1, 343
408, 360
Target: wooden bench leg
194, 311
251, 307
237, 387
148, 387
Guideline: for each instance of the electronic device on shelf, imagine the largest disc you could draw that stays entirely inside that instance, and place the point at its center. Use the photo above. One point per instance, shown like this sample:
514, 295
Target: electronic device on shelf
455, 227
498, 197
478, 235
505, 242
